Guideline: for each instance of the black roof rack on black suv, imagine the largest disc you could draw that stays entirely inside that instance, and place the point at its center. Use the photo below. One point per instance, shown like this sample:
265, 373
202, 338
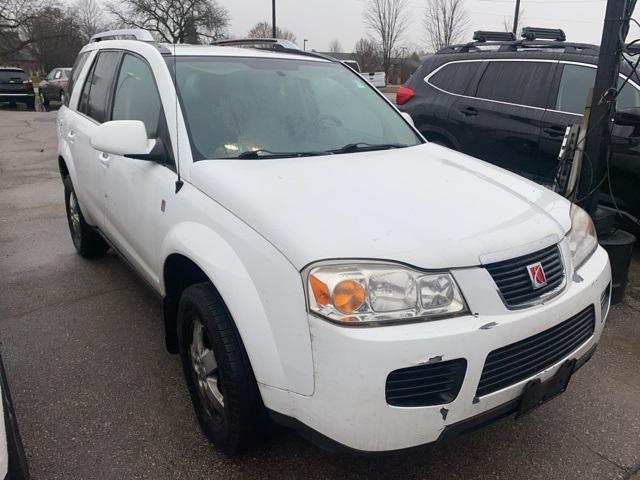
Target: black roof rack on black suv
533, 38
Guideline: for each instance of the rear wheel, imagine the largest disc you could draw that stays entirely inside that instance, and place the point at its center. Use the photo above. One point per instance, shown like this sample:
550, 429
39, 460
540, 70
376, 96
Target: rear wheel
217, 371
86, 240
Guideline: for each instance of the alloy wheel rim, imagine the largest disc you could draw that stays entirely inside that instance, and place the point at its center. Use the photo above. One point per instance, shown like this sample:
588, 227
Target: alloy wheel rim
74, 216
206, 374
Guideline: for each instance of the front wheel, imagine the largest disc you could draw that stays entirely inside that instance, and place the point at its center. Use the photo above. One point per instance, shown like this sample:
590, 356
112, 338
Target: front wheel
86, 240
217, 371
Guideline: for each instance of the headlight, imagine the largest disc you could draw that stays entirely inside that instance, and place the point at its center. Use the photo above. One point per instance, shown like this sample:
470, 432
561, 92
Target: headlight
582, 237
365, 293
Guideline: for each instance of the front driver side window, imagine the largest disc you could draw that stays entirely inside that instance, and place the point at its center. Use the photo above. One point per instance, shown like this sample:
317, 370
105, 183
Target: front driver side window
136, 95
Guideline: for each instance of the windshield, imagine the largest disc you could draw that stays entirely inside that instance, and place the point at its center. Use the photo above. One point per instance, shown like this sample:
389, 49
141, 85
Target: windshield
234, 106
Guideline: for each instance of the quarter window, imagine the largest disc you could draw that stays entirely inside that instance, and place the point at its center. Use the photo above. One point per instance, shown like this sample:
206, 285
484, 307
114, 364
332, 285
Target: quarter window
136, 96
75, 71
575, 84
455, 77
520, 83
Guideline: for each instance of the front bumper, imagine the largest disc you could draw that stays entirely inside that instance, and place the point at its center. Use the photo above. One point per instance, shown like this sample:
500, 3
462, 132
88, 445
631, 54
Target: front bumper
351, 365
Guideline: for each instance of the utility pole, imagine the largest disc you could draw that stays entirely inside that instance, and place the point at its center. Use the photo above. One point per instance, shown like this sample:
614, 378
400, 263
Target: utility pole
273, 18
515, 19
602, 107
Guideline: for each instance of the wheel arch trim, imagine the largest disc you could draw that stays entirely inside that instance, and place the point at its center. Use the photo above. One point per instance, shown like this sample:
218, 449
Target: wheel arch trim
223, 267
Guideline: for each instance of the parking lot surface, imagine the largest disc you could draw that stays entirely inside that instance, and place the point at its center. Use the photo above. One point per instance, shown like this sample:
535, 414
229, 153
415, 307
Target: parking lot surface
98, 397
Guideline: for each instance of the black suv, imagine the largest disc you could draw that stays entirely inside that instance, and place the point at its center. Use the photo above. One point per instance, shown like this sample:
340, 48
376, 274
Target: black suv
509, 102
16, 87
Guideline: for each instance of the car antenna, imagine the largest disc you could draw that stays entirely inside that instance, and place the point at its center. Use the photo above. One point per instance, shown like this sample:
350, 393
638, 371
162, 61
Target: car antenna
179, 181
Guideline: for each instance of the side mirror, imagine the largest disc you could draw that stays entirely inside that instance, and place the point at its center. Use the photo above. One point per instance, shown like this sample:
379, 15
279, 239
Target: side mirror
122, 137
408, 118
629, 117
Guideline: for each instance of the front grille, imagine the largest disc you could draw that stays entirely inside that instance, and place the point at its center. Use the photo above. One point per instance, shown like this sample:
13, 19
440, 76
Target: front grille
512, 277
429, 384
508, 365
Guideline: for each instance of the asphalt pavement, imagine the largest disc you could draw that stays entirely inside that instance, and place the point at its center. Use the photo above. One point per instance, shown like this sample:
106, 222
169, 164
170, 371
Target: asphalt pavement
98, 397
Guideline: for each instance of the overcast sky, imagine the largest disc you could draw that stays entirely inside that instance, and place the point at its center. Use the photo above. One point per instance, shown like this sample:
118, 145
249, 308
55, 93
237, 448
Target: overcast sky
321, 21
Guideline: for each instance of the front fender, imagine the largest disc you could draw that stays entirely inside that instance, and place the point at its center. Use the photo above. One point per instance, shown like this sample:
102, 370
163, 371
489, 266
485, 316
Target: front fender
264, 295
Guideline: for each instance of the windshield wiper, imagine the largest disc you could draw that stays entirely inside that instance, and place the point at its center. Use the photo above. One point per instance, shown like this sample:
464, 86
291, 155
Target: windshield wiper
364, 147
264, 153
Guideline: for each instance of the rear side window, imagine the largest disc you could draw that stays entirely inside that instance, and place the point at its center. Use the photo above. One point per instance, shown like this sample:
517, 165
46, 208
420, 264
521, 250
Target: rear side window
136, 95
521, 83
75, 71
12, 76
95, 93
575, 84
455, 77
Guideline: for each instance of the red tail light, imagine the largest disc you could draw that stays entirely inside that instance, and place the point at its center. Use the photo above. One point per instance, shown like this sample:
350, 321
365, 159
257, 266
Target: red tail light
403, 95
27, 81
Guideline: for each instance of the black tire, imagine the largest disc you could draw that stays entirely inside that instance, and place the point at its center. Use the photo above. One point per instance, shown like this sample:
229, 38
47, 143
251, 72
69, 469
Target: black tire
31, 105
43, 99
239, 419
87, 241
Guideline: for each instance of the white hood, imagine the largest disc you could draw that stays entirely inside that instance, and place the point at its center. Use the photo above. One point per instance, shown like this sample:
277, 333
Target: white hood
426, 206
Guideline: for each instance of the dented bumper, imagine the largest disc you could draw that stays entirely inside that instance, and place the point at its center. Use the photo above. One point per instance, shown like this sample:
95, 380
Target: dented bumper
349, 407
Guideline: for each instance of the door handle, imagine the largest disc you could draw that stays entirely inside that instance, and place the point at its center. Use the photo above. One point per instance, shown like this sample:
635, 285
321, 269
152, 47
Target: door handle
104, 159
554, 131
469, 112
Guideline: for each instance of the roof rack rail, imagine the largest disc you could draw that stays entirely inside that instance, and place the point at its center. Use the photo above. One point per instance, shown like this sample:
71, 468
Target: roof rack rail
536, 33
274, 43
123, 34
488, 36
278, 44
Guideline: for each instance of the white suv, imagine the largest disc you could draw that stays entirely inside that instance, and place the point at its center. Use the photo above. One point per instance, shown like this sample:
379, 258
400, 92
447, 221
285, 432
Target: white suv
318, 260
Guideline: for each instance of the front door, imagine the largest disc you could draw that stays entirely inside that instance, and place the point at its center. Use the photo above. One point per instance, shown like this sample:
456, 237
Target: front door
137, 190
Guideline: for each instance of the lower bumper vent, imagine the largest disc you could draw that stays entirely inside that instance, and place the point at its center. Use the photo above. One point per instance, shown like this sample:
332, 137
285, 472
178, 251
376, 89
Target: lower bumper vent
423, 385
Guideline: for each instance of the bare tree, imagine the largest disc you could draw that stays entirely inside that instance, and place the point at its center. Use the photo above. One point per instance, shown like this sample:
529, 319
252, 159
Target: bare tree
445, 22
57, 39
90, 18
367, 55
335, 46
387, 20
174, 21
507, 21
16, 17
264, 30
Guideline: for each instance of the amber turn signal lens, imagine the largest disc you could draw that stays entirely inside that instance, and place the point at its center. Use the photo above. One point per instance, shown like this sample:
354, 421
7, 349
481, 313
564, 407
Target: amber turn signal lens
320, 290
348, 296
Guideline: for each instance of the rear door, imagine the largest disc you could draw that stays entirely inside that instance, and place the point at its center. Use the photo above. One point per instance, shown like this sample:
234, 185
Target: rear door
501, 121
93, 109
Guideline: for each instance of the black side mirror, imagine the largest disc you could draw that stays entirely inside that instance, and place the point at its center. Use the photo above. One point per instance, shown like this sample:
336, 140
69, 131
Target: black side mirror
629, 117
157, 154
